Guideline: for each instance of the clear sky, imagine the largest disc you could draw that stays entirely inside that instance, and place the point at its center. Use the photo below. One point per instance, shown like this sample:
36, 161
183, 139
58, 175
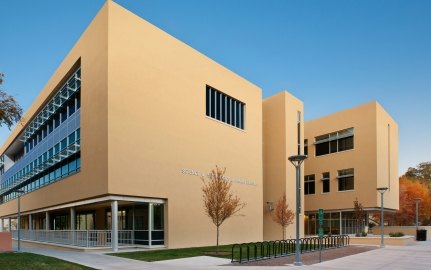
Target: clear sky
331, 54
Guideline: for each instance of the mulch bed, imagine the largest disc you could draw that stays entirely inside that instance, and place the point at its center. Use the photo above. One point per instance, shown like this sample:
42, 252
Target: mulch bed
312, 257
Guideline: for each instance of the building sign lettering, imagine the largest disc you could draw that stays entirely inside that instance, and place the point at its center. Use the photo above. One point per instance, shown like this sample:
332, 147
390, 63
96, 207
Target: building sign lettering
228, 178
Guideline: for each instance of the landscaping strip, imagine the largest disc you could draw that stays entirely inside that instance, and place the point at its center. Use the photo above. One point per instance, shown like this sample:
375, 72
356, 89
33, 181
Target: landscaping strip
24, 261
170, 254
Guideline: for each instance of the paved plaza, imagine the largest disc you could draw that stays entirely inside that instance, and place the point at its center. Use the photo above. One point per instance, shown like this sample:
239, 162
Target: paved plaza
416, 256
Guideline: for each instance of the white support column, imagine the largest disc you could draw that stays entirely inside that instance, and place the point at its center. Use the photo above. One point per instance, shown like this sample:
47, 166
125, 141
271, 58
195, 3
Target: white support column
10, 225
72, 218
72, 224
47, 221
150, 223
114, 225
30, 222
133, 226
2, 225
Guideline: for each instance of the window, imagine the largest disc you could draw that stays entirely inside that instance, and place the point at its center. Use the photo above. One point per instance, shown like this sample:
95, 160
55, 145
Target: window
71, 105
325, 182
63, 144
334, 142
56, 120
224, 108
306, 147
85, 221
309, 184
63, 113
346, 180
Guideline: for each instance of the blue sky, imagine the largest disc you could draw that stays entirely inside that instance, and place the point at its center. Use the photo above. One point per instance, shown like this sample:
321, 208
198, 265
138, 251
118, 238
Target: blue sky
331, 54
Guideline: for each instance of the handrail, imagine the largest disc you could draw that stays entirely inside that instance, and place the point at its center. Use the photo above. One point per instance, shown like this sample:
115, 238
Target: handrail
255, 251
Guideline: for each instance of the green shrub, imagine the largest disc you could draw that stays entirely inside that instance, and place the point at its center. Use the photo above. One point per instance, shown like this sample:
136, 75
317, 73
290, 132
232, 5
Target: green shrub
396, 234
363, 234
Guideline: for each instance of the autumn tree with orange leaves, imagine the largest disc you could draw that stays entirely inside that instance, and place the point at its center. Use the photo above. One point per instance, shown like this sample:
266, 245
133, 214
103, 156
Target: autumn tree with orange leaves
410, 189
219, 202
283, 215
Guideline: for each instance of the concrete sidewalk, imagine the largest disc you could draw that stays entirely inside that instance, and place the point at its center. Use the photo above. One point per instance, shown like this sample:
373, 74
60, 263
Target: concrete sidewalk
414, 257
417, 257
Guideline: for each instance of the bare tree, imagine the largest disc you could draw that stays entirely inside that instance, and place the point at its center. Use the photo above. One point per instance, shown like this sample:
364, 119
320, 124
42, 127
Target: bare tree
10, 110
358, 215
219, 202
283, 215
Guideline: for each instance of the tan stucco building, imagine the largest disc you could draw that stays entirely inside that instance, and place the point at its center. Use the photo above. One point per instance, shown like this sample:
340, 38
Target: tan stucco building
113, 149
350, 154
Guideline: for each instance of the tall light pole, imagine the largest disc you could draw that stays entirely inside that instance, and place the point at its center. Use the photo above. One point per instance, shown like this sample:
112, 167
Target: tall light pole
20, 192
382, 190
417, 200
297, 161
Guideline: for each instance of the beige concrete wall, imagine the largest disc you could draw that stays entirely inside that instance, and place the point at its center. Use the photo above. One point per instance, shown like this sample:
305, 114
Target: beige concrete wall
157, 127
387, 158
91, 53
389, 241
280, 114
407, 230
369, 158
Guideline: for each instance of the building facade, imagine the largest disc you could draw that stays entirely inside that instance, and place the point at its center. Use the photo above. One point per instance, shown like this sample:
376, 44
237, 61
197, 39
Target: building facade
113, 150
350, 154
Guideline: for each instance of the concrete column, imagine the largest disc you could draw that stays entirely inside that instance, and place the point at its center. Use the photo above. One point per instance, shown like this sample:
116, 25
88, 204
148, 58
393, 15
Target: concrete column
47, 221
30, 222
72, 224
2, 225
114, 225
10, 224
150, 223
133, 225
72, 218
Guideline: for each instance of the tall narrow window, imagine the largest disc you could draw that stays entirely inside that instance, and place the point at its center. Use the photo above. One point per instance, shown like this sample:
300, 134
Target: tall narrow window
224, 108
212, 106
218, 106
306, 147
325, 182
309, 184
346, 180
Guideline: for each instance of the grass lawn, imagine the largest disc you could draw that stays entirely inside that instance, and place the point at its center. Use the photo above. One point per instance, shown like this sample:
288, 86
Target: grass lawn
169, 254
24, 261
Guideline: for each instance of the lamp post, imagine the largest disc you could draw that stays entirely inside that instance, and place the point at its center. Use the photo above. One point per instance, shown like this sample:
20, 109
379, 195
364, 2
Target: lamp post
382, 190
20, 192
297, 161
417, 200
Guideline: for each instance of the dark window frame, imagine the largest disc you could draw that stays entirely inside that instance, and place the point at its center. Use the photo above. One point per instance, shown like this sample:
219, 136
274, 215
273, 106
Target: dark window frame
224, 108
309, 184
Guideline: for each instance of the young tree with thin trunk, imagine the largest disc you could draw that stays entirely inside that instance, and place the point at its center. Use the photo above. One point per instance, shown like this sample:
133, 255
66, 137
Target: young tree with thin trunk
283, 215
10, 110
219, 202
358, 215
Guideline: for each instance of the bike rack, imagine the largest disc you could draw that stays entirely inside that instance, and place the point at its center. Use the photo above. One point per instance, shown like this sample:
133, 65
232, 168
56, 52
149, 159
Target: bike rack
255, 251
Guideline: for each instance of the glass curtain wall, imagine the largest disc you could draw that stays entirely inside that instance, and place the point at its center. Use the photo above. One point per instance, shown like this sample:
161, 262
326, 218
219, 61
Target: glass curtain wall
138, 219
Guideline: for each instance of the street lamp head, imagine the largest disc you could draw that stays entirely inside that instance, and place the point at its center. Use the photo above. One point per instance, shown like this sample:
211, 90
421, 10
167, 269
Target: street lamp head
382, 189
297, 159
418, 199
